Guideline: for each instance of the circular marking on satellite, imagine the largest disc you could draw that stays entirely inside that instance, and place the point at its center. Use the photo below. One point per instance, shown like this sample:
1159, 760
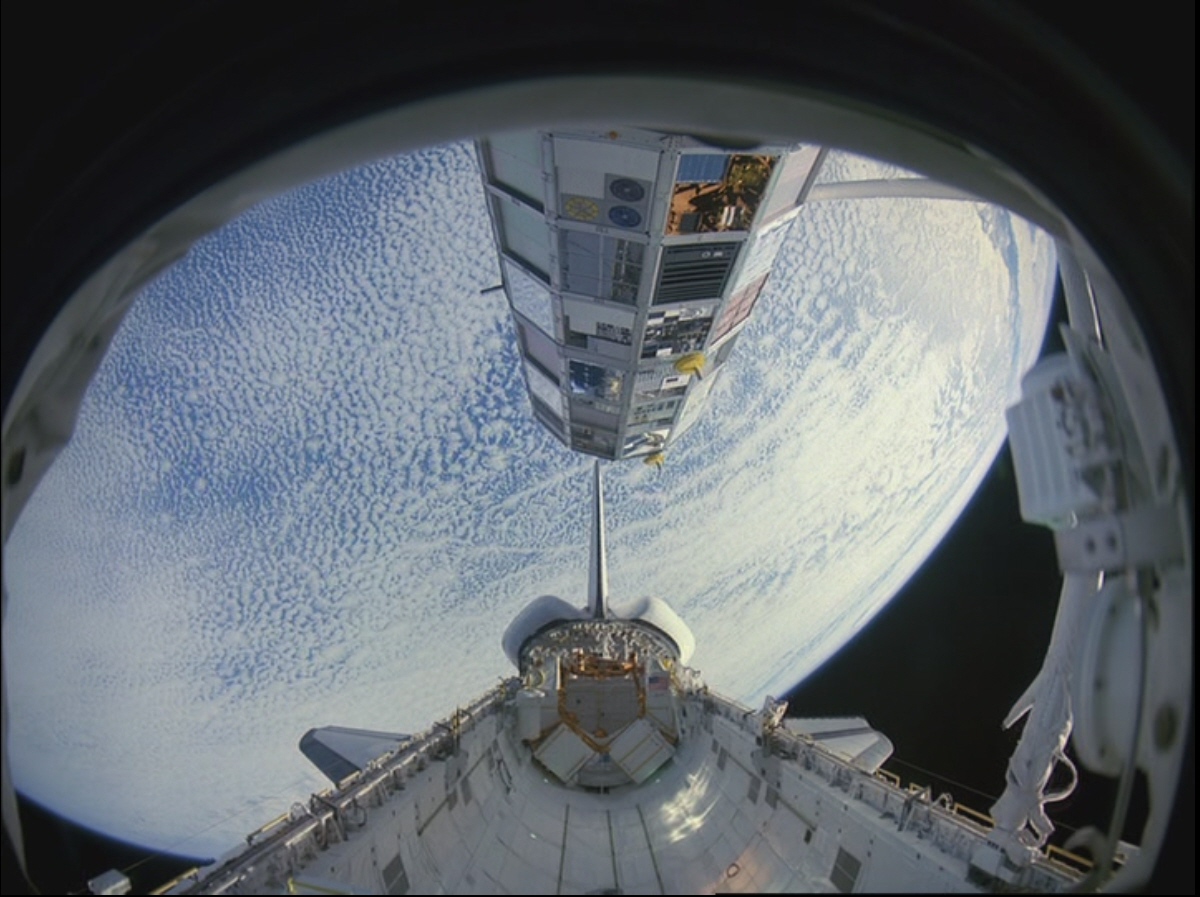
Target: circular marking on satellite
623, 216
581, 208
627, 190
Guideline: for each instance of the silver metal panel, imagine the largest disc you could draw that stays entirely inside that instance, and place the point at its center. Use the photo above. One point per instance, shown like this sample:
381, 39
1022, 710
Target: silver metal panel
582, 164
796, 169
516, 161
529, 296
563, 753
524, 233
640, 750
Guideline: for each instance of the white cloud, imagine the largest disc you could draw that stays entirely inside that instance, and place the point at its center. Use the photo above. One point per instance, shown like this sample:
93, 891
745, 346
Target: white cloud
305, 488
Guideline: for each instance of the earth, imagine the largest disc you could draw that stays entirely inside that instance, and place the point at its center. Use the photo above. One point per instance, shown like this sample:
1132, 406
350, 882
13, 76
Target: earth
306, 487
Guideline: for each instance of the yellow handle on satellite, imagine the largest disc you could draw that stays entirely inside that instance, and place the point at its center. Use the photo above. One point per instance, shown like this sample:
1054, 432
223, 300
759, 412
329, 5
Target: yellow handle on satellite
656, 459
692, 363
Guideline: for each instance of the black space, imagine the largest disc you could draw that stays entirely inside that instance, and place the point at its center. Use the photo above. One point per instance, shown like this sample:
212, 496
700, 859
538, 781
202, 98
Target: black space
62, 857
940, 667
937, 671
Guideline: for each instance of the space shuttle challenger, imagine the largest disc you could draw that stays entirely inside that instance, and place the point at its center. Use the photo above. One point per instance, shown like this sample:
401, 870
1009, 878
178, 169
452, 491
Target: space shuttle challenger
631, 261
607, 766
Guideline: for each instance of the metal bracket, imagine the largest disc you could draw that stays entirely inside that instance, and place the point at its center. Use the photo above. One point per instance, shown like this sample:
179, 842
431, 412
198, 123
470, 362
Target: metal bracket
1141, 537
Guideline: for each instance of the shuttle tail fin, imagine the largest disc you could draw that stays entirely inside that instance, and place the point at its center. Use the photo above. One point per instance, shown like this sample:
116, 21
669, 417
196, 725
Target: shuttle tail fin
598, 565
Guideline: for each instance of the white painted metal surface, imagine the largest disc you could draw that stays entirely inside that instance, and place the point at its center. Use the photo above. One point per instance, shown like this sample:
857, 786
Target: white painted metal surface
738, 810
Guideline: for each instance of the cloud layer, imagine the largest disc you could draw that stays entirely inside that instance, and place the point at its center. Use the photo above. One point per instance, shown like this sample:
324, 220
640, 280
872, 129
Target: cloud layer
306, 488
